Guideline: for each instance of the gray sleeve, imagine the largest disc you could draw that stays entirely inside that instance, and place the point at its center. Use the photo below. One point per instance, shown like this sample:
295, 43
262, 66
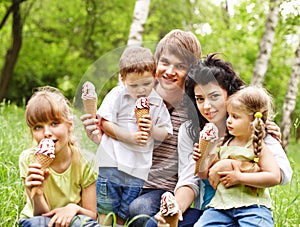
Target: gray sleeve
281, 158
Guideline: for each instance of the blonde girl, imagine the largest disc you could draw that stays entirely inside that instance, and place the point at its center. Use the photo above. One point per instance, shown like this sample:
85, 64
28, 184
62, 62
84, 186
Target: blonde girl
235, 203
65, 193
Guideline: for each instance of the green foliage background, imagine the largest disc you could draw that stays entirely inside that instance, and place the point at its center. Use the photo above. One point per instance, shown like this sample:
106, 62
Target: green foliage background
62, 39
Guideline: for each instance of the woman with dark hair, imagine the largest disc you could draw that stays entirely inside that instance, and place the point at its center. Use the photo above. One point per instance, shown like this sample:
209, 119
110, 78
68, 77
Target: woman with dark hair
208, 85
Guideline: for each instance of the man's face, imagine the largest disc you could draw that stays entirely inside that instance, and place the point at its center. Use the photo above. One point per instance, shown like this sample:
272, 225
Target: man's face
171, 72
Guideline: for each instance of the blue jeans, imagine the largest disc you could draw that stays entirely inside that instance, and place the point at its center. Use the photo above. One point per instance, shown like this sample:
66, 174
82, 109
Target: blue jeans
41, 221
190, 217
115, 191
244, 216
149, 203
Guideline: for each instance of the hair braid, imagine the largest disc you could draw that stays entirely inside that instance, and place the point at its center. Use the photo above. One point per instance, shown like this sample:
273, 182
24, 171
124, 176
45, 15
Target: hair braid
258, 135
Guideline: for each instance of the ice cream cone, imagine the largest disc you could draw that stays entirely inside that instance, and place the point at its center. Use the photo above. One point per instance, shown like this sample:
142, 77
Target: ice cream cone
141, 108
140, 113
44, 154
89, 98
172, 220
44, 160
90, 106
203, 144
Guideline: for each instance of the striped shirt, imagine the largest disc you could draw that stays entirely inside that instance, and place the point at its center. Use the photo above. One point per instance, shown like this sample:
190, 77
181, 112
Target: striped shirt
164, 171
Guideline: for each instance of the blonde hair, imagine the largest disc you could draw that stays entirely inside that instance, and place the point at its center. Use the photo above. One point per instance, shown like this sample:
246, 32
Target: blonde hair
258, 104
138, 60
49, 104
183, 44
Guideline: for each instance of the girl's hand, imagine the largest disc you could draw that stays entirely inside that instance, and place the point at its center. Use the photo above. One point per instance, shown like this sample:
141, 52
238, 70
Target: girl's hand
221, 165
36, 178
92, 127
230, 178
196, 152
145, 123
62, 217
140, 138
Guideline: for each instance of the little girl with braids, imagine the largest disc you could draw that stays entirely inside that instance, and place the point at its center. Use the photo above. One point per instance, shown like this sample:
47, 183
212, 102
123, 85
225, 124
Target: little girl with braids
235, 203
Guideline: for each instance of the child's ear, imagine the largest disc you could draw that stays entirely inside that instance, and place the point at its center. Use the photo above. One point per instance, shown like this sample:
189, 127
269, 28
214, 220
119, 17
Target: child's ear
121, 78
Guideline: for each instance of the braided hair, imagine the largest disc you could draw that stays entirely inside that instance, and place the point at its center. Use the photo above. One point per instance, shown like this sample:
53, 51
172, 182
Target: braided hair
258, 104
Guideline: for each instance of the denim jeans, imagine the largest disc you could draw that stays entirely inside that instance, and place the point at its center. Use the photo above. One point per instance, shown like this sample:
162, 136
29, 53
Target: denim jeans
244, 216
190, 217
149, 203
115, 191
41, 221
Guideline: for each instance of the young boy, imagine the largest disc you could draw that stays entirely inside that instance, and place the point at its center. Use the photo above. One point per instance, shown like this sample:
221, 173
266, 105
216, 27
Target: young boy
125, 151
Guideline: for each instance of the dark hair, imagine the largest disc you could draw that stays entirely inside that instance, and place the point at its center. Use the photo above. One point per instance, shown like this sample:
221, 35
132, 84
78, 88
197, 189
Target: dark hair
210, 70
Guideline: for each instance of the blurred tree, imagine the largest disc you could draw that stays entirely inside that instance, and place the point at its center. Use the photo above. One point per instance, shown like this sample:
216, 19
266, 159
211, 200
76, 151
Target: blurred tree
140, 16
266, 44
290, 101
13, 52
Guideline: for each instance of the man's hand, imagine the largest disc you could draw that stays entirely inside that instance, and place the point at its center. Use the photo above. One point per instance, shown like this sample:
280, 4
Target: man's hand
92, 127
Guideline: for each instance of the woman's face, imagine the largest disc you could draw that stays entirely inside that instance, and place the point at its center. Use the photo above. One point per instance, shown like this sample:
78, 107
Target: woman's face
210, 99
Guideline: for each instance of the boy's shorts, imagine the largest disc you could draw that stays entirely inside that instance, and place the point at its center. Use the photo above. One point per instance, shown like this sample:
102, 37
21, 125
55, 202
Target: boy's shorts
116, 190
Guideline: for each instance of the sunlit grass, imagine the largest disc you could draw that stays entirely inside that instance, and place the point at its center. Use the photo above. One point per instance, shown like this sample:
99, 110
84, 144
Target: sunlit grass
15, 137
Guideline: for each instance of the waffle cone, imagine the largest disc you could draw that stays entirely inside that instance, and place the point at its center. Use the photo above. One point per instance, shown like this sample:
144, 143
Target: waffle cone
140, 113
44, 160
172, 220
90, 106
203, 144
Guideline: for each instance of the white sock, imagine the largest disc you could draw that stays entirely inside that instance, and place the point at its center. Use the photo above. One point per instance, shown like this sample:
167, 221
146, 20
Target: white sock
117, 225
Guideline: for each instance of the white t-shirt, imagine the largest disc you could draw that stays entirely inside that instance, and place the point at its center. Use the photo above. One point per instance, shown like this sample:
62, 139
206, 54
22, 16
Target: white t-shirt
118, 107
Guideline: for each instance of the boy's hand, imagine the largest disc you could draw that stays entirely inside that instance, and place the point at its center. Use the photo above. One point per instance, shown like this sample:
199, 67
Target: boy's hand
140, 138
145, 123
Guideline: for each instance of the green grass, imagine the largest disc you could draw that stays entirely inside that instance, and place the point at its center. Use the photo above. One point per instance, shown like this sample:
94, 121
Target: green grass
15, 137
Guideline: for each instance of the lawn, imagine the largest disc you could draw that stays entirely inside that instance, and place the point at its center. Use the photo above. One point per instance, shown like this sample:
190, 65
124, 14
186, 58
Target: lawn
15, 137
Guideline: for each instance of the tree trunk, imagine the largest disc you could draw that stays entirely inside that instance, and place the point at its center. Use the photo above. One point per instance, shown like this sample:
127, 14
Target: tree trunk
13, 52
266, 44
290, 101
140, 16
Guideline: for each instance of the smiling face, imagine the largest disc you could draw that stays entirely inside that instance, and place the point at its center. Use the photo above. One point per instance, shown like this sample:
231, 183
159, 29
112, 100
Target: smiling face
139, 84
171, 72
211, 102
